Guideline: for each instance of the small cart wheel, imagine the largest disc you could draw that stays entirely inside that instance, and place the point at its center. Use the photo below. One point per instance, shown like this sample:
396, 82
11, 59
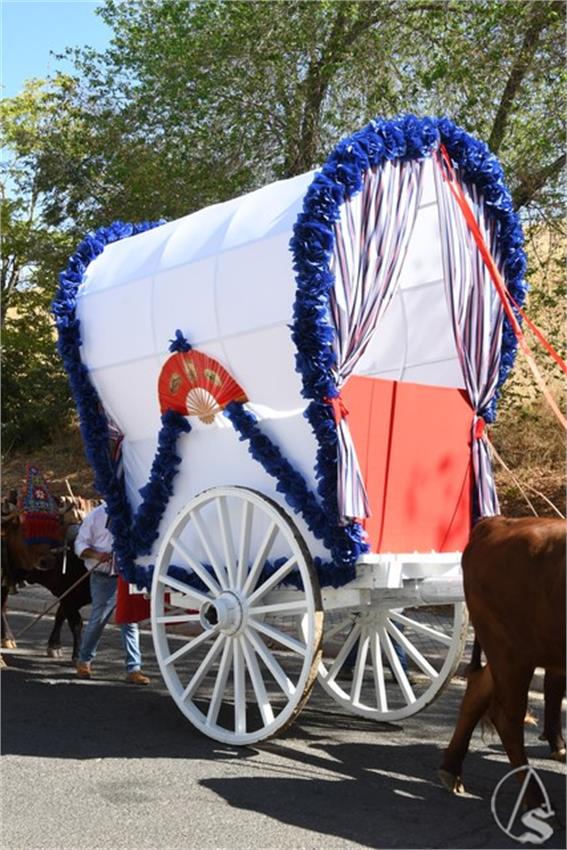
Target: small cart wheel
389, 664
238, 657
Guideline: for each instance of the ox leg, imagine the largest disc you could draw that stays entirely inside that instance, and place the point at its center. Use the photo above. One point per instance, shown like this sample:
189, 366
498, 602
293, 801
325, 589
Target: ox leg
475, 704
554, 691
76, 625
507, 713
54, 640
6, 634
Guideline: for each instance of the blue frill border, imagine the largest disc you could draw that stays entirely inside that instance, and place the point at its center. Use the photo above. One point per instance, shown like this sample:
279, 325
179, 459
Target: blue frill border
292, 485
133, 535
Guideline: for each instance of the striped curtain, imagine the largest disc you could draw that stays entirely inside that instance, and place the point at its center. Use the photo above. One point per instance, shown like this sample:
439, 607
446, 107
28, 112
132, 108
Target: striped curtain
371, 242
477, 316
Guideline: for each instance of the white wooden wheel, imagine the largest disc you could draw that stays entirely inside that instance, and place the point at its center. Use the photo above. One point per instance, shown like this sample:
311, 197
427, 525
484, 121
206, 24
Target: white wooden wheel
364, 673
239, 662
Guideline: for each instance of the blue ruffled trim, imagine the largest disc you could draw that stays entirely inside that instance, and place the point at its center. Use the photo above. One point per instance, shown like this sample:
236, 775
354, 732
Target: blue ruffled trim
133, 536
291, 484
157, 492
179, 343
406, 137
299, 497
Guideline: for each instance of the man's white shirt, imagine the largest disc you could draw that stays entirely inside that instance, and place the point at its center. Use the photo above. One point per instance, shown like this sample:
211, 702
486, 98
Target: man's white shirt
93, 534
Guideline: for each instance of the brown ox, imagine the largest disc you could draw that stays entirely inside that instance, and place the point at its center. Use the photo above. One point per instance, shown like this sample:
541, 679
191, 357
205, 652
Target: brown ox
514, 579
40, 564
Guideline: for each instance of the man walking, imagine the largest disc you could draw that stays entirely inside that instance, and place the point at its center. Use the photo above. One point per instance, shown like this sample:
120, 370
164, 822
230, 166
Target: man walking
94, 545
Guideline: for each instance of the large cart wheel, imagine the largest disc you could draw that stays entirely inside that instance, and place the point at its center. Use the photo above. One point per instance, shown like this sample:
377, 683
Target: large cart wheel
238, 662
388, 664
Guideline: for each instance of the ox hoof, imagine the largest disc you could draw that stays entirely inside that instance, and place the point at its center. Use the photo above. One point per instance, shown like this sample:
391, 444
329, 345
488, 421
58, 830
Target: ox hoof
54, 652
450, 781
9, 643
558, 755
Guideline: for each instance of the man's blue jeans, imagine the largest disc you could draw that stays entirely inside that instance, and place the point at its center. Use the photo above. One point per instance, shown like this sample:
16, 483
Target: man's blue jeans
103, 594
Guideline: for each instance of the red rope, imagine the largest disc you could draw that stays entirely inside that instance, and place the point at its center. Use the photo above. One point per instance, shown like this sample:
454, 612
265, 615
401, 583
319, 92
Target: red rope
340, 410
539, 335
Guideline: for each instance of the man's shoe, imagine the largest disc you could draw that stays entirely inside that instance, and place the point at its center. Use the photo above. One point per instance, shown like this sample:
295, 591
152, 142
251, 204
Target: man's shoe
137, 678
83, 670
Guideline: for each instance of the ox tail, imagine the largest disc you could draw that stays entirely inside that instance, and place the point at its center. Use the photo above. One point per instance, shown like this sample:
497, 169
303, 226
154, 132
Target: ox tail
476, 658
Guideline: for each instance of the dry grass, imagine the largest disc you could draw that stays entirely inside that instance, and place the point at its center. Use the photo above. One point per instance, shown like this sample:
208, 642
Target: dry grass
63, 459
532, 444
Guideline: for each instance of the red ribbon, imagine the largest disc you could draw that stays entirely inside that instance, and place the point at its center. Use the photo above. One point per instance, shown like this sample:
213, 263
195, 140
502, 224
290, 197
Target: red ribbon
340, 410
479, 428
444, 162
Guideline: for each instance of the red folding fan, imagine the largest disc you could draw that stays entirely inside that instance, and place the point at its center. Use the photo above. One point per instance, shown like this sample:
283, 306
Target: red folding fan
194, 384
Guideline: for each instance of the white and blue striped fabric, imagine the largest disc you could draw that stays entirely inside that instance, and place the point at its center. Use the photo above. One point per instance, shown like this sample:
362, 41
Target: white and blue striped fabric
371, 242
477, 316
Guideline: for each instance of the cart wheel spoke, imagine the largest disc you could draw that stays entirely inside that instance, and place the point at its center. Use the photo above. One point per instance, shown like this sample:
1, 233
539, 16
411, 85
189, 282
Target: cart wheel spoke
239, 674
261, 557
204, 667
298, 606
244, 547
273, 580
257, 681
227, 540
278, 636
197, 568
273, 665
337, 628
420, 627
410, 649
396, 667
219, 569
181, 587
337, 664
219, 689
378, 674
191, 646
359, 666
171, 619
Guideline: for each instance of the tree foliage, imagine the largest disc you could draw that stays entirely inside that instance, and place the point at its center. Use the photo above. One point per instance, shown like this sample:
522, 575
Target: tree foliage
196, 102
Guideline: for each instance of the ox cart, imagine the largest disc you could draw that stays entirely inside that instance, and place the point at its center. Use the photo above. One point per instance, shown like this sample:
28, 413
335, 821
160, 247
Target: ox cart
318, 360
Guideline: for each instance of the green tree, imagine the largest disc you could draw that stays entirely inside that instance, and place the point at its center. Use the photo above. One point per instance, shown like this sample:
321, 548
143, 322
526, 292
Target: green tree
210, 99
35, 395
196, 102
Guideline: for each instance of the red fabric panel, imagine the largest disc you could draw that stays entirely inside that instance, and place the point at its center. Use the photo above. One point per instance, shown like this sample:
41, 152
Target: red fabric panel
414, 448
130, 607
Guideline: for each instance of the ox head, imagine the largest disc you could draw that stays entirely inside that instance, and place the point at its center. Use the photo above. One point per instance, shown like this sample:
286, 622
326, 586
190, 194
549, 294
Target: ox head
73, 509
28, 557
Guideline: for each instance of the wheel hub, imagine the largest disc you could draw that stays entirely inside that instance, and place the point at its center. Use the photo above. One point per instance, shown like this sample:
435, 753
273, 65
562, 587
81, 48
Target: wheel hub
225, 613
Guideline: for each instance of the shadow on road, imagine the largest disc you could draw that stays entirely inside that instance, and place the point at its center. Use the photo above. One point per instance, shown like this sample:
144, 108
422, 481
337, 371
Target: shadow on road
362, 792
392, 790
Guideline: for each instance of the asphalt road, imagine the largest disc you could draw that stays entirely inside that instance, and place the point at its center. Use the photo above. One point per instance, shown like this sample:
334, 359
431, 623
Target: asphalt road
103, 765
